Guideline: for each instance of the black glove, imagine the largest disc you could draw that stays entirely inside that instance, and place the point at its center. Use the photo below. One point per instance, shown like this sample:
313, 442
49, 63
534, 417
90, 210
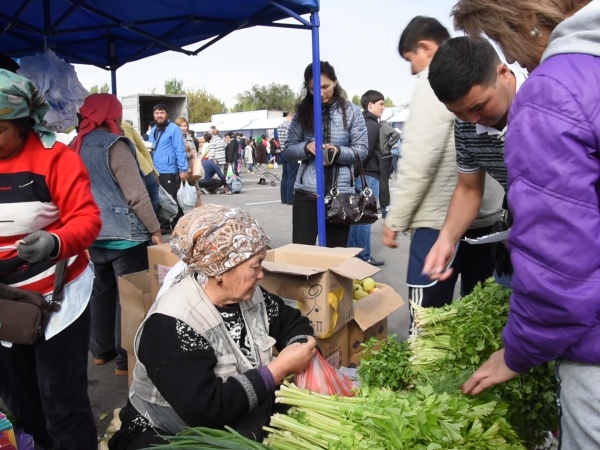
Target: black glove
38, 246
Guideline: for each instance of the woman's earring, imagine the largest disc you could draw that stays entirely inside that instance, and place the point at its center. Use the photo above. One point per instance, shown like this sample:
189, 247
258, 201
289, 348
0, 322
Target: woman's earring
535, 32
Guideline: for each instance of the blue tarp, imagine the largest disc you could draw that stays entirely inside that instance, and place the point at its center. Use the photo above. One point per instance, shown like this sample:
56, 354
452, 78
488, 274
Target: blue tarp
111, 33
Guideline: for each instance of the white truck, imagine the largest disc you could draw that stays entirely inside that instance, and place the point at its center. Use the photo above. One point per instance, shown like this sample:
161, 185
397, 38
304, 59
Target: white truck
138, 108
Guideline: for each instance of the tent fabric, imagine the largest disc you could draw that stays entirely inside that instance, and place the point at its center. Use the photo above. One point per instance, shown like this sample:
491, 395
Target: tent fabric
111, 33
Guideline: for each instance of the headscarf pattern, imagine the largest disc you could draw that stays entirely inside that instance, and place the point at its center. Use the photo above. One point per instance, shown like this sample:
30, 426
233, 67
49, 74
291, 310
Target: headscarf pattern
19, 98
212, 239
96, 110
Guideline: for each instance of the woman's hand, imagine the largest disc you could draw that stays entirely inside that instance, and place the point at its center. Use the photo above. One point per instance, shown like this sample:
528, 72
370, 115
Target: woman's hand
292, 359
493, 371
310, 147
157, 238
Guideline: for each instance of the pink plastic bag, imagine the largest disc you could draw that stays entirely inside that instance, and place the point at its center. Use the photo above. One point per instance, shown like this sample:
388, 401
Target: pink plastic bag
321, 377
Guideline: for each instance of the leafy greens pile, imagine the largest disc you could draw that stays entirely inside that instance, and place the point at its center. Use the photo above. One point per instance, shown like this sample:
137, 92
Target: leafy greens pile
450, 344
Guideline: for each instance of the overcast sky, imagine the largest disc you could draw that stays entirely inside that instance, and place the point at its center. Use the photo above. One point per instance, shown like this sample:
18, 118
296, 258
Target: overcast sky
358, 37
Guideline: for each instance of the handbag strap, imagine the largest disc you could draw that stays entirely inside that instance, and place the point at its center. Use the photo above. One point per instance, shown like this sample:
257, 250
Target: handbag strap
361, 172
60, 273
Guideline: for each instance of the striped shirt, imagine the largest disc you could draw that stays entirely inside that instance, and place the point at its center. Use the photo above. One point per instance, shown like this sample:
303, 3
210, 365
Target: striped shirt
282, 133
216, 149
475, 151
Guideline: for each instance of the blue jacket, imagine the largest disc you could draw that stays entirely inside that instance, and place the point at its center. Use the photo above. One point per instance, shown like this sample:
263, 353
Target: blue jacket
169, 154
355, 136
553, 159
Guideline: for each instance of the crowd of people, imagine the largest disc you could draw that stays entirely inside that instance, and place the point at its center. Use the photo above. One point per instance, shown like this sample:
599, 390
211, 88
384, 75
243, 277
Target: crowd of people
486, 148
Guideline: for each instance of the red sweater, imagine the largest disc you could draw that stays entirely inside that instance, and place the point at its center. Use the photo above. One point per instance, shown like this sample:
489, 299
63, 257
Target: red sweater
45, 189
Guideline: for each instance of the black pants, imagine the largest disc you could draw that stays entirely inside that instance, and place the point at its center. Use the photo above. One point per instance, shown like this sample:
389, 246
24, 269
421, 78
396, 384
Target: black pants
45, 386
305, 228
384, 182
171, 183
211, 184
105, 304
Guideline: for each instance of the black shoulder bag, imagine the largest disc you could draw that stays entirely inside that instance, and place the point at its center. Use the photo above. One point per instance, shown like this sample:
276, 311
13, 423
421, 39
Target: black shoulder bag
357, 208
25, 314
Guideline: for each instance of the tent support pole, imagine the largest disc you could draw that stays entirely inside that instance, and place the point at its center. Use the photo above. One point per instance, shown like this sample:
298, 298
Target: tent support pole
318, 115
113, 80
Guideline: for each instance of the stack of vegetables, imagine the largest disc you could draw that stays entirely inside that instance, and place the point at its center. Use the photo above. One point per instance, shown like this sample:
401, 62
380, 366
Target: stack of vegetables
450, 344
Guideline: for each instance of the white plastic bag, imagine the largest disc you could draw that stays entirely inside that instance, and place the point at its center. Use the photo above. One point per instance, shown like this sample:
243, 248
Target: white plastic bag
186, 196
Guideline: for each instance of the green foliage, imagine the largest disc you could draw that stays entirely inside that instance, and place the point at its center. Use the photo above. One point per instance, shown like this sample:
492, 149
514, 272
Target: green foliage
453, 341
202, 105
278, 97
104, 89
201, 437
173, 86
356, 100
388, 102
382, 419
386, 364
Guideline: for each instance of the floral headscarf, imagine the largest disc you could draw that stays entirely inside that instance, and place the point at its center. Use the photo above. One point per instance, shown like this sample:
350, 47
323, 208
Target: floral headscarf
212, 239
19, 98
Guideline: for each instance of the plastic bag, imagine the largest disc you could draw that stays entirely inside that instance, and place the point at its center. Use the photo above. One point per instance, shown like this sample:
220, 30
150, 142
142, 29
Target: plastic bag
168, 205
186, 196
322, 378
58, 83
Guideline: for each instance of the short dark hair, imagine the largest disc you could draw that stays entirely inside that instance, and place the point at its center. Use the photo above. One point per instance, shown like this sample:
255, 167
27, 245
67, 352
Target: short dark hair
160, 107
370, 96
461, 63
151, 123
421, 28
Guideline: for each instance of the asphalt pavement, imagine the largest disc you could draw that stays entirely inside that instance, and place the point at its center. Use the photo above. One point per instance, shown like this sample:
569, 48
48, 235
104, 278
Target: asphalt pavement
108, 391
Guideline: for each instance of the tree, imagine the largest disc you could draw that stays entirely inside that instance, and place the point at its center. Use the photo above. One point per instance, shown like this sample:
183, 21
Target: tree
104, 89
173, 86
202, 105
274, 96
388, 102
356, 99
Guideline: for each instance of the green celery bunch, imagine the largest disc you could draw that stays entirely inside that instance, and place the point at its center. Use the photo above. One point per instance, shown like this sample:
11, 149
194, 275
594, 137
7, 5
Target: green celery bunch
379, 419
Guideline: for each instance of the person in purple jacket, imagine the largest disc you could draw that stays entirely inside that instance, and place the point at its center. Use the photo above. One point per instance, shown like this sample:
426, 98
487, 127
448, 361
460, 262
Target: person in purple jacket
552, 153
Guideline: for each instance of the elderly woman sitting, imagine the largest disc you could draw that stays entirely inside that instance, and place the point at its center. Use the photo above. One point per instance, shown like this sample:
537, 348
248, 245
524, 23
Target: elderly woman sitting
205, 349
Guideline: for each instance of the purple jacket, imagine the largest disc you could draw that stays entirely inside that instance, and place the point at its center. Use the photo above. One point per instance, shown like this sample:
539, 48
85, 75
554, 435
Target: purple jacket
553, 158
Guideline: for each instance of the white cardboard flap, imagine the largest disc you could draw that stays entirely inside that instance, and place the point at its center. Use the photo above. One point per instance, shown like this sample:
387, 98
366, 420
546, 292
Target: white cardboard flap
355, 269
376, 306
292, 269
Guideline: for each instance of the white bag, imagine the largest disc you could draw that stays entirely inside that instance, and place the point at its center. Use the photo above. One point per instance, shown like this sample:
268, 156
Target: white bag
186, 196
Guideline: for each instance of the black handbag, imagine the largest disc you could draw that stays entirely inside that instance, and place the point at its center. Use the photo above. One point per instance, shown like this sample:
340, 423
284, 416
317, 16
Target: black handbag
25, 314
357, 208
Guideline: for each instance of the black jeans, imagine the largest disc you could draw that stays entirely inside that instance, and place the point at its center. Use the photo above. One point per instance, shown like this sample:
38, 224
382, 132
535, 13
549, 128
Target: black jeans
288, 178
305, 228
45, 386
384, 182
105, 305
171, 183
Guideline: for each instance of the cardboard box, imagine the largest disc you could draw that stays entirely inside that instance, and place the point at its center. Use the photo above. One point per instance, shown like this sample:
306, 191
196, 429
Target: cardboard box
136, 300
335, 348
354, 360
370, 316
307, 274
160, 261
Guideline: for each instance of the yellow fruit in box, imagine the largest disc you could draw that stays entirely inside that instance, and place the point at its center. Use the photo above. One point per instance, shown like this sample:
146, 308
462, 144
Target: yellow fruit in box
357, 287
368, 284
359, 294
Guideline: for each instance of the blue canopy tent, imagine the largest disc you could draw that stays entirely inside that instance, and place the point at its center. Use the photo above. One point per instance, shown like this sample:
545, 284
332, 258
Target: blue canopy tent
111, 33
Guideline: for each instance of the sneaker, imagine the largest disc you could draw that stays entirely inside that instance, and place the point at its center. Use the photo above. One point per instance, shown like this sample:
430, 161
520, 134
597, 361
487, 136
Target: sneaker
205, 191
375, 262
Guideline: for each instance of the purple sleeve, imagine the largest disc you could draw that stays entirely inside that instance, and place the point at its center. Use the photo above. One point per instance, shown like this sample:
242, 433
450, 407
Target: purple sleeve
551, 157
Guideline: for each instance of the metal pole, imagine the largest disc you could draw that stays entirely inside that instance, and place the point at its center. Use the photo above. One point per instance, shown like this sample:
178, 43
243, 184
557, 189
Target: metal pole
318, 115
113, 80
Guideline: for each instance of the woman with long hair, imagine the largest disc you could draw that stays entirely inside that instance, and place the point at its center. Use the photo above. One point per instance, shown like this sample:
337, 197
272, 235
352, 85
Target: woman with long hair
344, 132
